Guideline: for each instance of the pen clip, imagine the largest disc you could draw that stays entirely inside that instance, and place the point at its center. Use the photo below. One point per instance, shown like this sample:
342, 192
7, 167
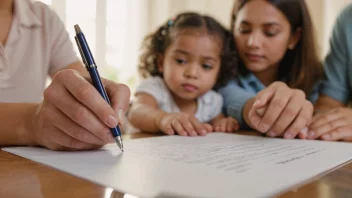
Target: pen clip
81, 52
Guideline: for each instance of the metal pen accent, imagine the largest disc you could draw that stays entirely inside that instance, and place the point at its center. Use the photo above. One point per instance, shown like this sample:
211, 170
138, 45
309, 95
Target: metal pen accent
89, 62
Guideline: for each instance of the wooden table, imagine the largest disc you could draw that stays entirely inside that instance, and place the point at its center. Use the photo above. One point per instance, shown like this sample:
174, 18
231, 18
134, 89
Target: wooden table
20, 177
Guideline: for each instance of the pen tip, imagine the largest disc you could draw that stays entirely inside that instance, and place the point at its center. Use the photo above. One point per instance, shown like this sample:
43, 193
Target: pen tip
77, 29
119, 142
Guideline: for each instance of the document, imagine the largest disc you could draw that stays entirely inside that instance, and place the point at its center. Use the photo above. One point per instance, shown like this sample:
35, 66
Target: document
217, 165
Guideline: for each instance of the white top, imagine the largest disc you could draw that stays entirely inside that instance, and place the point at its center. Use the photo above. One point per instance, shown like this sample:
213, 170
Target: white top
208, 106
38, 45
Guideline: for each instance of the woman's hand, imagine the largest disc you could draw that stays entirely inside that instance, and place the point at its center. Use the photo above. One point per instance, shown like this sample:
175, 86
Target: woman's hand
74, 116
280, 111
332, 125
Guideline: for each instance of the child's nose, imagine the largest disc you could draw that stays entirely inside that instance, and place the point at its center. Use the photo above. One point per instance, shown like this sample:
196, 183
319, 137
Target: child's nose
191, 72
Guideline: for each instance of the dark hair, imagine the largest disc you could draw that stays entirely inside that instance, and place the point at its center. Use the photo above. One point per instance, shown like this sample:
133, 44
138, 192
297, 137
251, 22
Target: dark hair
157, 43
300, 68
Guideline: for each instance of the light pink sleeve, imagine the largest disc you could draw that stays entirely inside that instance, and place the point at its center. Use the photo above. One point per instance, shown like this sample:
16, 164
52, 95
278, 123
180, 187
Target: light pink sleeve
62, 52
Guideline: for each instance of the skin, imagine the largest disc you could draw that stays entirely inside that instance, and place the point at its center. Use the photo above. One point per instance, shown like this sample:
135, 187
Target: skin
190, 67
332, 121
72, 115
263, 35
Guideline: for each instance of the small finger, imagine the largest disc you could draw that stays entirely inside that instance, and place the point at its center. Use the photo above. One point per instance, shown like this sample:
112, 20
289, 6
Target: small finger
223, 125
208, 127
176, 125
187, 126
198, 126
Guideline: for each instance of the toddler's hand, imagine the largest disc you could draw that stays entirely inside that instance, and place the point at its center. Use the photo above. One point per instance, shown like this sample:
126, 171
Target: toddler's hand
182, 124
226, 124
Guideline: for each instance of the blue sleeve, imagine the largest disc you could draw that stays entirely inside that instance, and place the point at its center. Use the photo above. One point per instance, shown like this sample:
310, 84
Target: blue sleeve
336, 82
314, 94
235, 97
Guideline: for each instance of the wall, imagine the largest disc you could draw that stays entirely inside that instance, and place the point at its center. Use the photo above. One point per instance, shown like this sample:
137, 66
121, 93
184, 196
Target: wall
323, 13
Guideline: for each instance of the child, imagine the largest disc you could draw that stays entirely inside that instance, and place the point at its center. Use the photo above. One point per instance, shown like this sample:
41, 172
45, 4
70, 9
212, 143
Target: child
183, 61
278, 67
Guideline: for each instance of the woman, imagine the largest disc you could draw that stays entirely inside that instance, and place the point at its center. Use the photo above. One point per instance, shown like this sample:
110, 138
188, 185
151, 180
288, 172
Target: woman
278, 67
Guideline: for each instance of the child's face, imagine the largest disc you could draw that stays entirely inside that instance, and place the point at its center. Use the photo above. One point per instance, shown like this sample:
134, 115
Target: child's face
262, 35
191, 64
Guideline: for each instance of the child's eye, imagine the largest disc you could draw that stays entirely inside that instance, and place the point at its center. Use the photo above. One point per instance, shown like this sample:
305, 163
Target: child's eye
207, 66
180, 61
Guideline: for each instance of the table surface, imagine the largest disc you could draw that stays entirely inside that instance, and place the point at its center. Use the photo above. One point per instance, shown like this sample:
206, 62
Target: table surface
20, 177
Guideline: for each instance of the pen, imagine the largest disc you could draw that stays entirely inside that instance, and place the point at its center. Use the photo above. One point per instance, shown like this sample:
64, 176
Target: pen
89, 62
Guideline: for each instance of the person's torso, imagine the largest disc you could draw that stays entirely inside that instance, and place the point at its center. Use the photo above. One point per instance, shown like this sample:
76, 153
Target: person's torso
24, 60
252, 84
347, 21
207, 104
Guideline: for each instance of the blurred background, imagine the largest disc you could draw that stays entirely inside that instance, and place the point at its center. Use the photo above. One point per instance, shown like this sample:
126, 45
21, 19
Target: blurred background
115, 28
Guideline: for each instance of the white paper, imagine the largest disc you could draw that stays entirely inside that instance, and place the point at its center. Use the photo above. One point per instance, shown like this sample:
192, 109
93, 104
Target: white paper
218, 165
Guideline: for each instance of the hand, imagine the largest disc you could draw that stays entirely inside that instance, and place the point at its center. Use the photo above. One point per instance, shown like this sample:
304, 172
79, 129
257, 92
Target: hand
182, 124
225, 124
74, 116
333, 125
286, 111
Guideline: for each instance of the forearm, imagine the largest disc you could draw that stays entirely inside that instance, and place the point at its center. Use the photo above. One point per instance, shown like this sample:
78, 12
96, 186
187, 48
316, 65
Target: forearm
145, 117
325, 103
15, 124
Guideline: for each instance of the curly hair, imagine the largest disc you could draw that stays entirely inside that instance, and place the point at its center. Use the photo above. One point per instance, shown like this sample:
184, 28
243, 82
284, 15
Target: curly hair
156, 44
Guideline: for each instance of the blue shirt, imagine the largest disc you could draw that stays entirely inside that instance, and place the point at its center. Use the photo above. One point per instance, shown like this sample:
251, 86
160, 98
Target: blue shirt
338, 63
239, 90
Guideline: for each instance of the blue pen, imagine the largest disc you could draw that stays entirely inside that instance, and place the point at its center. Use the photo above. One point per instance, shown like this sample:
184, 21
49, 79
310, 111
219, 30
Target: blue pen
89, 62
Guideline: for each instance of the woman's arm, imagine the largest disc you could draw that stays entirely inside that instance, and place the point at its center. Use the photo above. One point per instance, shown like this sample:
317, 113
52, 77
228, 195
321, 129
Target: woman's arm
72, 115
17, 118
15, 124
325, 103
